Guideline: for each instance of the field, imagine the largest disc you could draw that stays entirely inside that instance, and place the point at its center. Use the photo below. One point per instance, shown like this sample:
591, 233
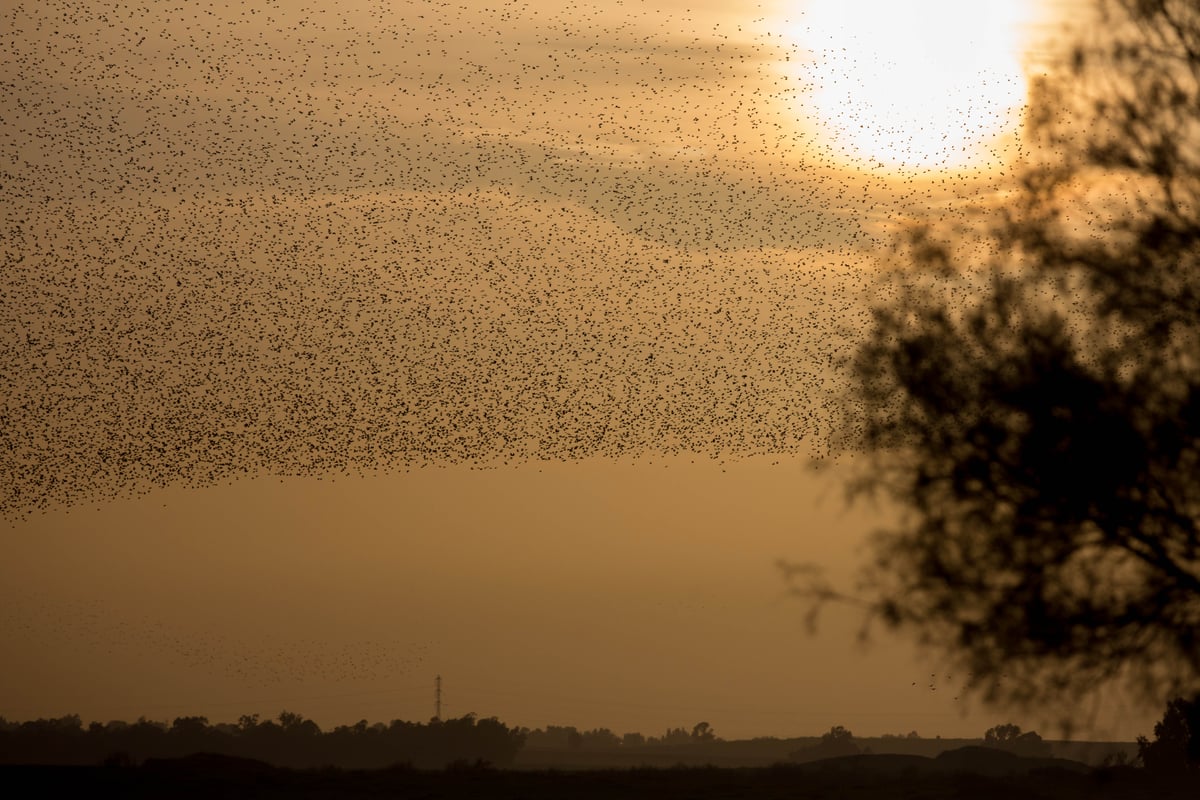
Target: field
887, 777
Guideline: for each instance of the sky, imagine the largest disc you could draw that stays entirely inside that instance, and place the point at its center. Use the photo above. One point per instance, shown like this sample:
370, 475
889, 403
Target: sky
350, 344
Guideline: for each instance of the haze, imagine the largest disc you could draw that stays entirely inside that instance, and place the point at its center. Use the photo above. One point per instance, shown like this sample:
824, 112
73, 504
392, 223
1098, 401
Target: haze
345, 346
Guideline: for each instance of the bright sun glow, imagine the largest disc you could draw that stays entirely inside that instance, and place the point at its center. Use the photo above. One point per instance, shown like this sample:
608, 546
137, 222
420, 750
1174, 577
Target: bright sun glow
915, 83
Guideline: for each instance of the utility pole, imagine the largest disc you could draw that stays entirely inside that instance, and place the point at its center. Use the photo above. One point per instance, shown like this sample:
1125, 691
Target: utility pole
437, 698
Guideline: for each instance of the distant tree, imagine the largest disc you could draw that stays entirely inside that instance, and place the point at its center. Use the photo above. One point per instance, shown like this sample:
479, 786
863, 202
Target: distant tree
289, 720
909, 735
676, 736
600, 739
292, 742
70, 724
493, 742
296, 724
552, 736
191, 735
703, 732
837, 741
1001, 735
633, 740
1010, 737
837, 734
1176, 745
1029, 394
143, 737
189, 726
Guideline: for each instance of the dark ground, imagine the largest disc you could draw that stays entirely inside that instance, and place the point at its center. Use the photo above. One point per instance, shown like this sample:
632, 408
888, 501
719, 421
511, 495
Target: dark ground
204, 776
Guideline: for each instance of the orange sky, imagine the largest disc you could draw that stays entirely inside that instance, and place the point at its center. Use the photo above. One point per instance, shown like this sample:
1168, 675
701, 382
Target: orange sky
278, 283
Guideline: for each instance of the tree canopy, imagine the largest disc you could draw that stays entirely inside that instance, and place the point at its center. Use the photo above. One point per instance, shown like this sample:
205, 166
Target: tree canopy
1176, 745
1029, 394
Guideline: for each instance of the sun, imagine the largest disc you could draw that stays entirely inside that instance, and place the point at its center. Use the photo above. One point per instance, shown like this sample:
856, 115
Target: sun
925, 84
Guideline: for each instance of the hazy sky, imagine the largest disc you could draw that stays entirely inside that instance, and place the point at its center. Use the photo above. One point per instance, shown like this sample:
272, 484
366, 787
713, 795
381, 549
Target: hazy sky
348, 344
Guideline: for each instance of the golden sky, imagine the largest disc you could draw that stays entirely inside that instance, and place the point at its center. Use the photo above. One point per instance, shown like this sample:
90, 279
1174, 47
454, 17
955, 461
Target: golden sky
347, 344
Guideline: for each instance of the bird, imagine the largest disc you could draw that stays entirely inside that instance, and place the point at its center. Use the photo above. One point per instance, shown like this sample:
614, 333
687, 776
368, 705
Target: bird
343, 240
346, 249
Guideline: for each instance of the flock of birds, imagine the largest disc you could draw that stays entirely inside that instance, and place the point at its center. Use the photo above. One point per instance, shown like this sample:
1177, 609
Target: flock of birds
283, 240
273, 240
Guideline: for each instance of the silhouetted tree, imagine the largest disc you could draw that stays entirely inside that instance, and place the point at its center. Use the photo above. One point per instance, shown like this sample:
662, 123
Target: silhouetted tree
837, 733
293, 742
912, 735
296, 724
1009, 737
191, 734
703, 732
551, 736
1176, 746
1029, 394
676, 736
837, 741
600, 739
1001, 735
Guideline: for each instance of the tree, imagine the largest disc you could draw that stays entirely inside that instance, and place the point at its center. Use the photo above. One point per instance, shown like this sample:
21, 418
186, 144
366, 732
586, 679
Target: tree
837, 733
296, 724
1009, 737
1176, 746
676, 736
189, 726
1029, 394
1001, 735
837, 741
600, 739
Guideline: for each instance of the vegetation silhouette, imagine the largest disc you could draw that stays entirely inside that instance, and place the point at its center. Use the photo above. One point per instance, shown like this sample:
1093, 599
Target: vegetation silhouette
1009, 737
291, 757
570, 737
1029, 395
837, 741
289, 741
1175, 750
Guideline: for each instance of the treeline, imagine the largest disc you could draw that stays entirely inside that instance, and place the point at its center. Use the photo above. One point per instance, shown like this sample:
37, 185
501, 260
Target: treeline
839, 741
568, 736
294, 741
289, 741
